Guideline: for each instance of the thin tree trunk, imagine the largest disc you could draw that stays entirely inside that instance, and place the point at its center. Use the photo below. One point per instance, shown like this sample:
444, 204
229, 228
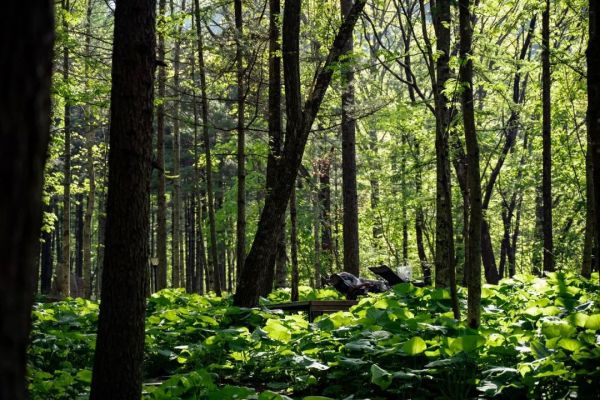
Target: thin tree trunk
27, 32
281, 260
593, 112
324, 166
548, 248
161, 212
177, 244
444, 237
294, 244
205, 135
473, 260
89, 145
349, 191
47, 258
317, 231
63, 273
117, 372
589, 239
241, 143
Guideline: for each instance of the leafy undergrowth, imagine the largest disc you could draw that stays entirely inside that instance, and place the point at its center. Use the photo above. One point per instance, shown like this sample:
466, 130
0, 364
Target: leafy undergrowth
540, 338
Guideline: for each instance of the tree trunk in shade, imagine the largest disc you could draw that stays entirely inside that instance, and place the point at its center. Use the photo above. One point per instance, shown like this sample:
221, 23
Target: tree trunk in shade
593, 112
548, 249
161, 212
473, 251
117, 371
349, 195
294, 244
26, 36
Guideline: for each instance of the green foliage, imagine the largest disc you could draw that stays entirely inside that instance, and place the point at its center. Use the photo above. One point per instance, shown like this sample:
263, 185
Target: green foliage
539, 339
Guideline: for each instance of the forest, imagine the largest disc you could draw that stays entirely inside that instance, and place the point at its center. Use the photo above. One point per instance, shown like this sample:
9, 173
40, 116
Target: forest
299, 199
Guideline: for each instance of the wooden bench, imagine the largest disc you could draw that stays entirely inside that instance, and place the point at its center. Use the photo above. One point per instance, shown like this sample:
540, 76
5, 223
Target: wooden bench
314, 308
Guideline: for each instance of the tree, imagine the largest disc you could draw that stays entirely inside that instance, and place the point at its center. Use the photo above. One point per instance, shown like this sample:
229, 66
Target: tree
593, 110
206, 139
241, 144
299, 123
27, 35
63, 273
117, 372
548, 249
351, 248
161, 217
473, 257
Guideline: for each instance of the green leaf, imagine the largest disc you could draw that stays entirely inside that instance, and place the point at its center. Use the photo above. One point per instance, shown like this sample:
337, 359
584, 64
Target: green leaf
380, 377
414, 346
570, 344
593, 322
277, 331
84, 375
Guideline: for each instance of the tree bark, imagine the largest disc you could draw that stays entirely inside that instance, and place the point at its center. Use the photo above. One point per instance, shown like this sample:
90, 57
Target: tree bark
161, 212
349, 192
299, 123
473, 259
241, 143
177, 234
444, 242
117, 372
26, 38
593, 112
63, 273
548, 249
206, 139
294, 244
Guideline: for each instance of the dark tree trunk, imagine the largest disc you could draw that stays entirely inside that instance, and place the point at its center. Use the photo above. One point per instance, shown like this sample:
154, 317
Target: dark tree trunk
216, 276
444, 238
316, 230
324, 168
177, 241
299, 122
63, 273
512, 252
349, 193
275, 132
117, 372
281, 260
473, 259
593, 112
589, 239
26, 41
241, 143
161, 212
548, 248
100, 245
294, 244
79, 239
47, 257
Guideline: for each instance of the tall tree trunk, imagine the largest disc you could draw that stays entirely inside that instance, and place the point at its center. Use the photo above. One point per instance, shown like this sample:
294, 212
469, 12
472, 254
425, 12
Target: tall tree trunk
299, 123
79, 240
117, 372
294, 244
281, 260
207, 153
27, 36
473, 259
63, 273
177, 261
200, 260
349, 194
593, 112
241, 143
89, 146
100, 243
444, 238
161, 212
275, 131
547, 143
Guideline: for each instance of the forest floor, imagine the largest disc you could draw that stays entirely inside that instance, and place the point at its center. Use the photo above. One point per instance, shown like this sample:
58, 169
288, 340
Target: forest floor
540, 338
